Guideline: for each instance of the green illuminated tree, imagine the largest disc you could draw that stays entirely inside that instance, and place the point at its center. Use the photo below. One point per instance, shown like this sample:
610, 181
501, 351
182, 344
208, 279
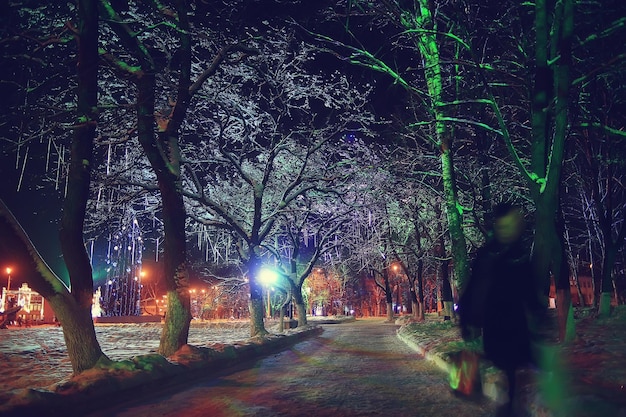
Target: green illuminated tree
419, 32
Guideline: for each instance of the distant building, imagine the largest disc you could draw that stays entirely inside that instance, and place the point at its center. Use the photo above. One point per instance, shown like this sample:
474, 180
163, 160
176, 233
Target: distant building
585, 283
35, 309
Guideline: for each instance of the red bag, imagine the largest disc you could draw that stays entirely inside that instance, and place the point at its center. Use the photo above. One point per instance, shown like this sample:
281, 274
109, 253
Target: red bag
465, 375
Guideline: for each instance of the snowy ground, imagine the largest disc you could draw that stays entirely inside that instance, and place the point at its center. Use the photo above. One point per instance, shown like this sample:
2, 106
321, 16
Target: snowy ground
35, 357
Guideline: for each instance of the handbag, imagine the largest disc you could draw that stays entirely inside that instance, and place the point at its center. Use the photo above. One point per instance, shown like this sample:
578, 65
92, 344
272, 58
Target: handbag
465, 374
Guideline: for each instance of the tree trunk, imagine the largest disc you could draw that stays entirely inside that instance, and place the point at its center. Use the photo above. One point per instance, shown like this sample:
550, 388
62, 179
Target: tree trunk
389, 312
163, 154
388, 295
606, 287
418, 311
565, 312
544, 247
257, 327
78, 332
75, 313
176, 329
420, 289
300, 307
283, 305
178, 318
455, 221
429, 49
551, 84
446, 292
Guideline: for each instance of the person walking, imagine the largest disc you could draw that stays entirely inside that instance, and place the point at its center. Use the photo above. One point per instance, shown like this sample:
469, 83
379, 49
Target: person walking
501, 299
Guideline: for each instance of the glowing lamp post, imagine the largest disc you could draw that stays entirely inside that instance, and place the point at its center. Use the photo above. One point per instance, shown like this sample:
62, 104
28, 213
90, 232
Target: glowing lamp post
6, 300
9, 281
268, 277
140, 290
395, 270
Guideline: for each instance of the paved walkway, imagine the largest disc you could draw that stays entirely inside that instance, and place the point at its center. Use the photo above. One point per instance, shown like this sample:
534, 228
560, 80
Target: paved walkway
353, 369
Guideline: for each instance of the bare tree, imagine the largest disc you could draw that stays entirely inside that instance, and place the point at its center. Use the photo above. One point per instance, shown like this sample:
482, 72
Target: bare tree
72, 305
265, 142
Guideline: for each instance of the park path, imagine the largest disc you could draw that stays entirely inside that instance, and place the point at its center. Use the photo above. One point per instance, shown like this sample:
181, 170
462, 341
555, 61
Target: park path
353, 369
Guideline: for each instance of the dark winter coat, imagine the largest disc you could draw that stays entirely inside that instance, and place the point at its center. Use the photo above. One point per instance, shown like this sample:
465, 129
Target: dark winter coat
499, 298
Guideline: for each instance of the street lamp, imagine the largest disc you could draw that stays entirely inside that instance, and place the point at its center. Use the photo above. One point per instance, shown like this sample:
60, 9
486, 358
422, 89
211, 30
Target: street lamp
397, 282
193, 300
6, 296
267, 277
9, 281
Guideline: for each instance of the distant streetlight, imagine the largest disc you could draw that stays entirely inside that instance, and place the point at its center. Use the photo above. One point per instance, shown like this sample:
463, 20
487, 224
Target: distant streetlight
395, 270
9, 270
268, 277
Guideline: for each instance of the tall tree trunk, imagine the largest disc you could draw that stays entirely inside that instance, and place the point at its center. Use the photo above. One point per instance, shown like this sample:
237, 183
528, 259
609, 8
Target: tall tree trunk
72, 308
178, 317
606, 288
296, 291
300, 307
162, 150
420, 290
257, 327
388, 295
78, 332
446, 287
446, 290
574, 266
547, 143
75, 316
389, 311
565, 311
429, 49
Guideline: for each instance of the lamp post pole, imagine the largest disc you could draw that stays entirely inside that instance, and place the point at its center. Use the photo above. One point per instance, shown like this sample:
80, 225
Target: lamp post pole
6, 297
9, 281
267, 277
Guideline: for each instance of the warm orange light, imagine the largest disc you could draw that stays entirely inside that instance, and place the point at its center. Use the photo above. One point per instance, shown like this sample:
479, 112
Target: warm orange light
9, 269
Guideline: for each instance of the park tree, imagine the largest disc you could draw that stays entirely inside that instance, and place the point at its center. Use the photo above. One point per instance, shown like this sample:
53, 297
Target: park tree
367, 250
559, 69
164, 95
599, 150
417, 27
266, 142
313, 231
603, 164
412, 240
71, 303
308, 231
161, 149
